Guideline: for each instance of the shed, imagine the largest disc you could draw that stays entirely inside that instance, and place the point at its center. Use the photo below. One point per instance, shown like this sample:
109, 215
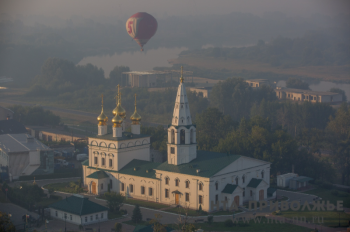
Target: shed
299, 182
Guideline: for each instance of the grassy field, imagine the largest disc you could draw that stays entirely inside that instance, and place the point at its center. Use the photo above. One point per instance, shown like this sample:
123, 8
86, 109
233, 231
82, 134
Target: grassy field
45, 202
62, 187
330, 218
114, 215
263, 226
327, 195
326, 73
146, 204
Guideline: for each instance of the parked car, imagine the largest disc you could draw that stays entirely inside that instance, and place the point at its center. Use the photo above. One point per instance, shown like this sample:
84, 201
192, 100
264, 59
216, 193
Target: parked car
81, 157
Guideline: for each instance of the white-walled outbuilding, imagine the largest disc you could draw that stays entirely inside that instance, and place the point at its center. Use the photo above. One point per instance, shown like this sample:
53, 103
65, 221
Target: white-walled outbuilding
78, 210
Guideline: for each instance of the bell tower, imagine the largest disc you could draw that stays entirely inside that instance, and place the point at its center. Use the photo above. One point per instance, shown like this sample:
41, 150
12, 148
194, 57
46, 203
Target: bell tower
182, 145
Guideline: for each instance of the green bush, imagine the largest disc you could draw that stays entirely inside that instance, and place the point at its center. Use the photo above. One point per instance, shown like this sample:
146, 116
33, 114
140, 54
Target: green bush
136, 214
228, 223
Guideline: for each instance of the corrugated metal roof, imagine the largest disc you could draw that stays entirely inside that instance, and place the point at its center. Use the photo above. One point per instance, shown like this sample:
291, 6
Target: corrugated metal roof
78, 205
19, 143
98, 175
254, 183
229, 188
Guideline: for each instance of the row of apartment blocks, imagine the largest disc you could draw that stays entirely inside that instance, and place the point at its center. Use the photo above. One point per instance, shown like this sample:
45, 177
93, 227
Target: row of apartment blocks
298, 94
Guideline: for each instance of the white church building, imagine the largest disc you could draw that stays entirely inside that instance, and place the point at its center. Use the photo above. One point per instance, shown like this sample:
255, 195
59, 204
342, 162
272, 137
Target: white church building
121, 162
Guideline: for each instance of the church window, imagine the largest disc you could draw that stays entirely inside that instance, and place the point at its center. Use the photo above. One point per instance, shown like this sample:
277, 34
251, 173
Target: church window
236, 180
182, 136
225, 198
166, 193
91, 218
95, 160
262, 174
172, 136
200, 186
172, 150
167, 180
187, 197
85, 219
103, 161
131, 187
101, 186
200, 199
182, 106
96, 216
216, 186
56, 214
122, 187
110, 162
243, 179
101, 215
243, 192
150, 191
177, 181
251, 193
187, 184
142, 190
216, 198
191, 136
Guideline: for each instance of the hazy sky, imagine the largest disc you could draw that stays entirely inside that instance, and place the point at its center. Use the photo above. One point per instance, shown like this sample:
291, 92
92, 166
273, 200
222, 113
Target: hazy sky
159, 8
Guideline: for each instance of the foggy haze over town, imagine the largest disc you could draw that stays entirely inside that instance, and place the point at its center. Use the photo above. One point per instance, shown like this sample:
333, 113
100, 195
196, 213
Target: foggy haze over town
194, 115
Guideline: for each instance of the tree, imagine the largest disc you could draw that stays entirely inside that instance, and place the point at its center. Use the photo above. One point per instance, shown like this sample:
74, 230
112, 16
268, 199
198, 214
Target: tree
34, 115
5, 223
136, 214
114, 201
210, 219
296, 83
156, 225
115, 74
342, 92
117, 227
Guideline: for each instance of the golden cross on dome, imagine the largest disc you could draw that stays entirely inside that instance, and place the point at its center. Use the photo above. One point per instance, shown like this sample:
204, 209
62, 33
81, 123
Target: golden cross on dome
135, 100
181, 78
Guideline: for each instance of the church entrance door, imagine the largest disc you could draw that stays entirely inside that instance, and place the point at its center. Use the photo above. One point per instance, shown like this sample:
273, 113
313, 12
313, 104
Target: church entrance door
261, 195
93, 188
177, 198
236, 200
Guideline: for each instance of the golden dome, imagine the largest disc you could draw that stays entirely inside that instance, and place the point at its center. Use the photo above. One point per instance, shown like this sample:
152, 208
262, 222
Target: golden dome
117, 120
119, 109
135, 117
102, 118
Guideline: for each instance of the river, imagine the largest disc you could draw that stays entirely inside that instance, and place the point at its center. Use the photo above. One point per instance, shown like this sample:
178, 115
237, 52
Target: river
137, 61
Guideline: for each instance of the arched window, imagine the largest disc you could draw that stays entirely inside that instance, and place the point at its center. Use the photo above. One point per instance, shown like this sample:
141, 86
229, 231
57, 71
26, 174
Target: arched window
200, 186
167, 180
243, 179
187, 184
172, 136
216, 186
191, 136
236, 180
262, 174
182, 136
177, 181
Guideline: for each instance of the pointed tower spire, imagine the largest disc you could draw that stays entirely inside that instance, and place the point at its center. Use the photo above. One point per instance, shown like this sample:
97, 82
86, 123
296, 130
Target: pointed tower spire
181, 115
135, 118
102, 121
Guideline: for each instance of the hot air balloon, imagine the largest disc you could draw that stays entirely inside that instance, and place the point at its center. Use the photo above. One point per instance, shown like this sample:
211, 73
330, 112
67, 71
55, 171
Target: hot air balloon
141, 27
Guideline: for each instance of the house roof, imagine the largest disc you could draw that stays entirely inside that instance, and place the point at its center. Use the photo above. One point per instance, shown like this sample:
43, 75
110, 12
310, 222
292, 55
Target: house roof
20, 143
229, 188
136, 167
98, 175
302, 178
85, 162
254, 183
78, 205
208, 163
12, 126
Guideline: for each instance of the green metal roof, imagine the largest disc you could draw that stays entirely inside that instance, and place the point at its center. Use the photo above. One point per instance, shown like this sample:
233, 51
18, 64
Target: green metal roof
126, 136
254, 183
302, 178
229, 188
140, 168
78, 205
209, 163
98, 175
85, 162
